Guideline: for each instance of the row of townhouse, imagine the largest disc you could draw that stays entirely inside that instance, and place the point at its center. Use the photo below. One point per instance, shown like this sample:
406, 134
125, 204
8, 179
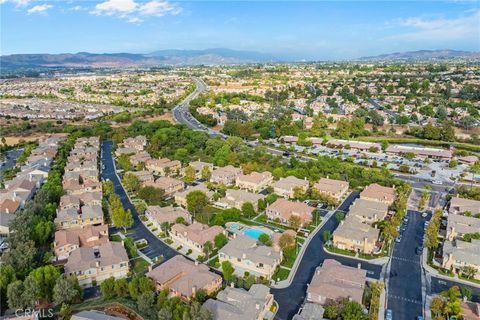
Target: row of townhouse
82, 241
462, 220
32, 175
357, 232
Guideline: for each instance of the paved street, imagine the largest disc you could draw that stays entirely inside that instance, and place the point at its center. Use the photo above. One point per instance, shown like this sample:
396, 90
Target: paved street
438, 285
10, 160
138, 231
291, 298
405, 283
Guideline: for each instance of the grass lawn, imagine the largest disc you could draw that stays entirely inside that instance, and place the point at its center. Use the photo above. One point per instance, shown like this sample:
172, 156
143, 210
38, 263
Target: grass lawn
139, 265
280, 274
340, 251
471, 280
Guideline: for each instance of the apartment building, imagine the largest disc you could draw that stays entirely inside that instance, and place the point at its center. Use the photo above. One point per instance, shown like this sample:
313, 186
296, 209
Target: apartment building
334, 282
368, 211
167, 184
255, 181
194, 236
356, 236
198, 167
68, 240
158, 215
459, 254
245, 254
376, 192
286, 187
183, 278
225, 175
239, 304
458, 226
163, 166
461, 205
282, 210
336, 189
94, 265
236, 198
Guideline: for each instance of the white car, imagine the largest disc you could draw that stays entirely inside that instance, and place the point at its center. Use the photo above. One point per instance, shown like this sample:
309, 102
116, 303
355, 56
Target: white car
437, 182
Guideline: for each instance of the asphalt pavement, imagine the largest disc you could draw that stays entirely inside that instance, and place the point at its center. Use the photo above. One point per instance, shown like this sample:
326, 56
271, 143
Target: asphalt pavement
138, 231
405, 277
291, 298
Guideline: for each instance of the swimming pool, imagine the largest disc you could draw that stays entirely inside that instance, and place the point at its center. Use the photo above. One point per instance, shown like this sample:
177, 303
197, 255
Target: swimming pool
253, 233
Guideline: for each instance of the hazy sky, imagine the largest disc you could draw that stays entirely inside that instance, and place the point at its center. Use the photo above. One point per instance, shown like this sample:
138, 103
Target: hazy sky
311, 30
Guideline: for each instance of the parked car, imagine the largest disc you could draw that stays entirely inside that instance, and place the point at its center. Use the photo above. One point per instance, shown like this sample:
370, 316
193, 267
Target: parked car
398, 239
388, 314
419, 250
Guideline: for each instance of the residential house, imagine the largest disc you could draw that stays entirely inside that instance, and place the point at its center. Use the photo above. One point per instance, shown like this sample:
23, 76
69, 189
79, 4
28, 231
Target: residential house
181, 196
236, 198
198, 167
334, 281
71, 239
183, 278
195, 236
163, 166
283, 210
254, 181
91, 265
73, 218
461, 205
167, 184
356, 236
376, 192
458, 226
368, 211
138, 143
144, 177
336, 189
245, 254
286, 187
239, 304
158, 215
225, 175
460, 254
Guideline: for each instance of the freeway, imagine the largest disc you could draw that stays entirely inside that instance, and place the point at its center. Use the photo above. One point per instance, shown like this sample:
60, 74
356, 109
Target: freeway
291, 298
156, 247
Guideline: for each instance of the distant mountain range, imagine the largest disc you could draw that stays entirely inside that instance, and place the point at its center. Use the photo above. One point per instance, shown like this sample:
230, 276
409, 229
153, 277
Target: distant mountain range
424, 55
158, 58
174, 57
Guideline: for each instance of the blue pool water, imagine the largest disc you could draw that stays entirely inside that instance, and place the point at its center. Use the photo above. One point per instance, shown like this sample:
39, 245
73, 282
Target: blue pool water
253, 233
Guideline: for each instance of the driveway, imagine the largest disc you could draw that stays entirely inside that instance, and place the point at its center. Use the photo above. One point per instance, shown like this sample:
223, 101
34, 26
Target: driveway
138, 231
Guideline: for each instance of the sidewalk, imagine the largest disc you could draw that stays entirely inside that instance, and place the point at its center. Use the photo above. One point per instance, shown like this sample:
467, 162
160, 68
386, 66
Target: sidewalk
378, 261
285, 283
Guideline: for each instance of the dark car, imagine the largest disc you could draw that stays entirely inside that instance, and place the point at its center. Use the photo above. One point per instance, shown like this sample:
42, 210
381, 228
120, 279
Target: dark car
286, 154
419, 250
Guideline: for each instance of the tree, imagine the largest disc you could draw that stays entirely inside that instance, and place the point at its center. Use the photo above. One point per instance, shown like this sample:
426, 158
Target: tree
108, 188
121, 287
122, 218
220, 240
452, 304
265, 239
124, 162
436, 306
7, 276
65, 312
151, 195
200, 295
31, 292
207, 249
298, 192
227, 270
165, 314
248, 210
352, 310
206, 173
66, 291
107, 287
140, 284
14, 295
295, 221
189, 174
431, 241
131, 182
196, 201
45, 279
286, 241
145, 303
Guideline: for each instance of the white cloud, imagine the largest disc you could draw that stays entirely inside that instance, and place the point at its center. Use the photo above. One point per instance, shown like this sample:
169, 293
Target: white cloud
76, 8
18, 3
464, 27
132, 11
41, 8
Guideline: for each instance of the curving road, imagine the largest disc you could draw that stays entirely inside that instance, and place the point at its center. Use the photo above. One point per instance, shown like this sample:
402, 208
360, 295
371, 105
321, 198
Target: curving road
138, 231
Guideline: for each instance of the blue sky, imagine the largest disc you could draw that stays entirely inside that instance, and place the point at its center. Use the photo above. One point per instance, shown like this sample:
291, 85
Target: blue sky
310, 30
